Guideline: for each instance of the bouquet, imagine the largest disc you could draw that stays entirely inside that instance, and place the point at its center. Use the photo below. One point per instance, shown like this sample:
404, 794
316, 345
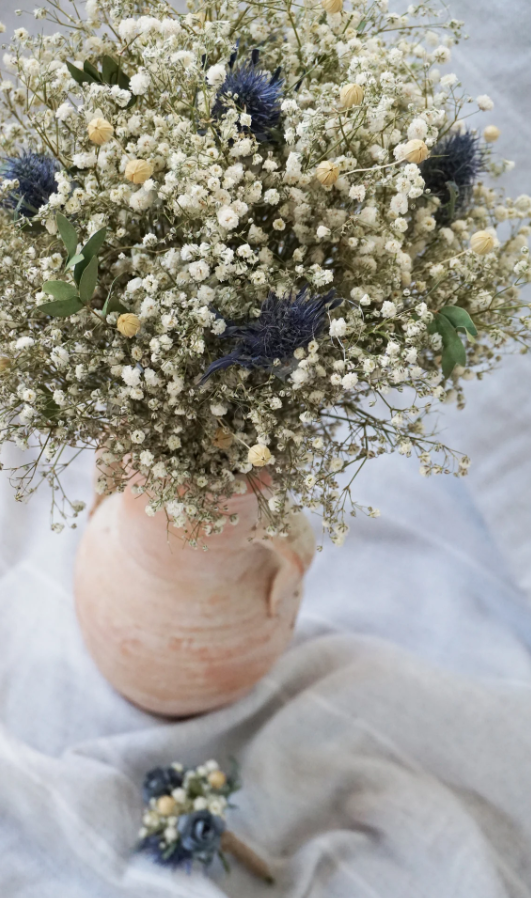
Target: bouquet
252, 243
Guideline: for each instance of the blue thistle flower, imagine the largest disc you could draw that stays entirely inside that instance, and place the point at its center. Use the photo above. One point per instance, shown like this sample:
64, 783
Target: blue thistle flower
254, 91
450, 173
35, 173
285, 324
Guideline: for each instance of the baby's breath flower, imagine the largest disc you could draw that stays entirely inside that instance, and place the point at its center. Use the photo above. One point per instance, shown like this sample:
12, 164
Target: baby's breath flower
485, 103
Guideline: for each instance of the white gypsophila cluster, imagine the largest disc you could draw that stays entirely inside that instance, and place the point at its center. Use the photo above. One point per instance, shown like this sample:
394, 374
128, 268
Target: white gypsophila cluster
308, 180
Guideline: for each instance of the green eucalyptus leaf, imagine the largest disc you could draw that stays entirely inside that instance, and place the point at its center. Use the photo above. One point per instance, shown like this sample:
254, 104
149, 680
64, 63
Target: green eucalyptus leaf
62, 308
124, 82
60, 290
75, 260
450, 206
51, 409
454, 352
79, 75
224, 861
460, 319
113, 304
91, 249
91, 70
88, 281
109, 70
68, 234
32, 227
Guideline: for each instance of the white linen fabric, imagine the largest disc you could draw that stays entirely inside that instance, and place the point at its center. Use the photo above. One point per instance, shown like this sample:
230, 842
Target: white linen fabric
388, 754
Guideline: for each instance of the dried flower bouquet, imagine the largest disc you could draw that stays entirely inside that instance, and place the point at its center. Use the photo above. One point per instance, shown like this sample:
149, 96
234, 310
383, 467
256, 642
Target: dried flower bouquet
255, 235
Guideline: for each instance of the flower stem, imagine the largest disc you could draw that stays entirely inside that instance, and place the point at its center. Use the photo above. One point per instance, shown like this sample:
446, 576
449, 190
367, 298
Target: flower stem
246, 856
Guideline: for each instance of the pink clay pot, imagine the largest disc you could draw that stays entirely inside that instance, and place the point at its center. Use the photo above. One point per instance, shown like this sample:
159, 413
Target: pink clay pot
179, 631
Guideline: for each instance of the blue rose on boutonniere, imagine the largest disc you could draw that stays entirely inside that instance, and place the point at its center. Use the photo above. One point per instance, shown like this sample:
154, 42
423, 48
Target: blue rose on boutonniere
201, 832
161, 781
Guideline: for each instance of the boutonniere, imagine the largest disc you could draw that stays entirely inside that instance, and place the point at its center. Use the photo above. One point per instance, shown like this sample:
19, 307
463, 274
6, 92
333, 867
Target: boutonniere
185, 818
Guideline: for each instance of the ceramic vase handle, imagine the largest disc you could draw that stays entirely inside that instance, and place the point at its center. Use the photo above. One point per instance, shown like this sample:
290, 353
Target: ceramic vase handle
294, 556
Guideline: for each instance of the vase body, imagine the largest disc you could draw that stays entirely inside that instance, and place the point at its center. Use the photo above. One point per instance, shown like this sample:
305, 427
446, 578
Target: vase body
177, 630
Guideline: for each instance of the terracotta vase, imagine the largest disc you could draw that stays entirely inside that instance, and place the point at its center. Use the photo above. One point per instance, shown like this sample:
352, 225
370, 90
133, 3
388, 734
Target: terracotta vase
177, 630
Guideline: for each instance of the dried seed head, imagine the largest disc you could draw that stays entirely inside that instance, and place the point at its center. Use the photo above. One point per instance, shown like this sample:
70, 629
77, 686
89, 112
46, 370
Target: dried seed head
327, 173
491, 133
332, 6
128, 324
166, 805
223, 439
217, 779
259, 456
5, 364
482, 242
100, 131
415, 151
138, 171
351, 95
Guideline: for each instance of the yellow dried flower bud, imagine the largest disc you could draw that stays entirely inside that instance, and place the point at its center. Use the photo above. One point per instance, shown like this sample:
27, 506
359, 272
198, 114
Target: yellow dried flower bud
332, 6
327, 173
138, 171
259, 455
128, 324
166, 805
482, 242
217, 779
4, 365
223, 439
351, 95
415, 151
100, 131
491, 133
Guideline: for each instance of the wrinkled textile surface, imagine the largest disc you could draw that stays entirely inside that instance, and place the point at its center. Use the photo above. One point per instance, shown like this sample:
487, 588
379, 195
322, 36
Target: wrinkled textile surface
388, 755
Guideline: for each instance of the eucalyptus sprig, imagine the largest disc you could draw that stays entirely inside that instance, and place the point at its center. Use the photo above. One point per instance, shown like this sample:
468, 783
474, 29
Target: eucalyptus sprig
111, 73
72, 298
449, 322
